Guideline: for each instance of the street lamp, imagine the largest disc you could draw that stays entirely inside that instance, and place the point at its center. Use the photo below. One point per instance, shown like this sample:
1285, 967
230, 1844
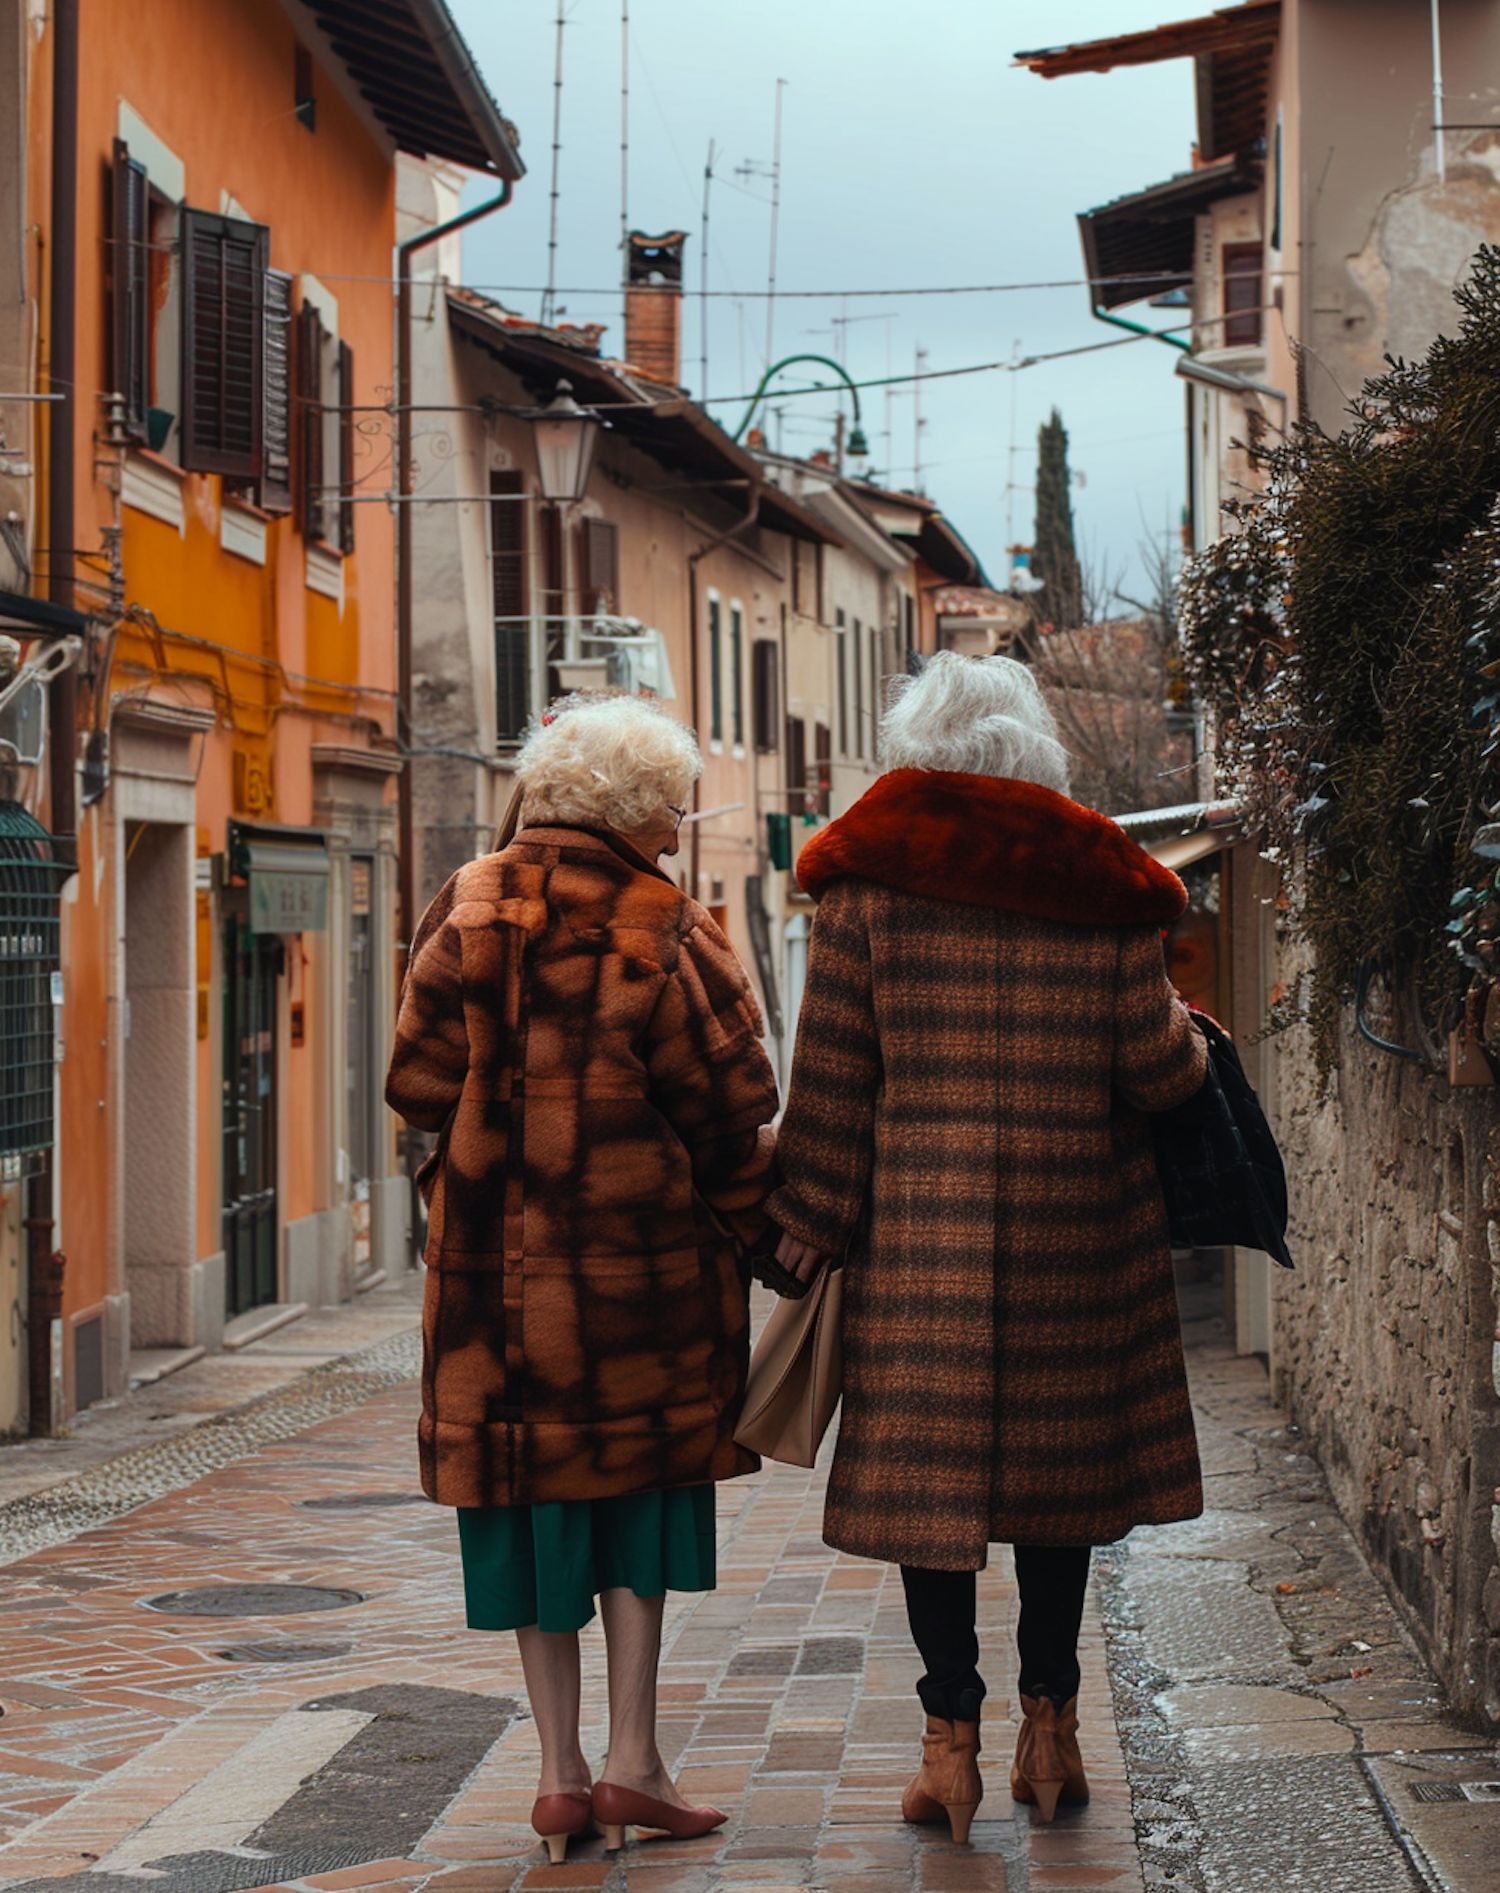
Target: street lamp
566, 436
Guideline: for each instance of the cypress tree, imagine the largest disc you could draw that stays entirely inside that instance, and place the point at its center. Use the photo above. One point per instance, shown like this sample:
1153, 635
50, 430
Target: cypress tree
1054, 557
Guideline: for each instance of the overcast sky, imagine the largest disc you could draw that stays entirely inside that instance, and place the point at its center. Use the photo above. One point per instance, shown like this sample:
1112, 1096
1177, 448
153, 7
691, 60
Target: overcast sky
913, 156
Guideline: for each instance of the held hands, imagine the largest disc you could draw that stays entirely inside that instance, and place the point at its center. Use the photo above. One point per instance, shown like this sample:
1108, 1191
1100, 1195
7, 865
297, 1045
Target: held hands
799, 1258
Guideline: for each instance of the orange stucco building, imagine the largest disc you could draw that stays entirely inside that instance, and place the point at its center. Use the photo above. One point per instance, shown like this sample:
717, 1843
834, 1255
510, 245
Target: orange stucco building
223, 752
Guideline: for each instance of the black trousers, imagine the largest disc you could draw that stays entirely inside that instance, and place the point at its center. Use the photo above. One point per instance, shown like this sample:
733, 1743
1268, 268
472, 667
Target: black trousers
940, 1610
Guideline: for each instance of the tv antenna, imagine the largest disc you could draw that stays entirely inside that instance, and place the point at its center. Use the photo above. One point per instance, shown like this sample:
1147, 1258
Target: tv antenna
549, 296
752, 168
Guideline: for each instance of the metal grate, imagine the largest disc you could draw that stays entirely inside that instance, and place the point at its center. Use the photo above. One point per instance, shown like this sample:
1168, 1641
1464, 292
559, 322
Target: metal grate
1436, 1791
30, 879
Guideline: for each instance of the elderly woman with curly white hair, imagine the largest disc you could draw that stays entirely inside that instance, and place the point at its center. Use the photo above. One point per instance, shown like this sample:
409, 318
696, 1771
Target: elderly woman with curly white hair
584, 1041
986, 1021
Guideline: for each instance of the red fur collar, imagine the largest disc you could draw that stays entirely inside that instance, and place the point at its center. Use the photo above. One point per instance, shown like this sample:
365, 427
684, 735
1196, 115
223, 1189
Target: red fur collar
989, 841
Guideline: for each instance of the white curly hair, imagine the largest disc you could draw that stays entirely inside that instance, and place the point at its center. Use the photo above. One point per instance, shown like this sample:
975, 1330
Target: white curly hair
977, 716
606, 762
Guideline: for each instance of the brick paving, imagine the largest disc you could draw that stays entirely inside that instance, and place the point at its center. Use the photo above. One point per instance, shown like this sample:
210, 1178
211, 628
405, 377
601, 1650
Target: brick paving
1258, 1684
786, 1694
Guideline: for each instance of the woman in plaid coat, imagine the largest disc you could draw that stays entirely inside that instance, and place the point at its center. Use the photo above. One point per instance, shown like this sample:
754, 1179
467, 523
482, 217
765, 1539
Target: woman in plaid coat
987, 1020
583, 1040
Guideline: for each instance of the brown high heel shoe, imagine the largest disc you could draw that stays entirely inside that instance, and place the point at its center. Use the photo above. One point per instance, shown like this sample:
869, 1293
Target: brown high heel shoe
617, 1808
947, 1786
1048, 1767
559, 1818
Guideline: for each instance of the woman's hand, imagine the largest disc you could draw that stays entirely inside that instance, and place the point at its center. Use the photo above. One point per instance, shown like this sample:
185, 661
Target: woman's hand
800, 1258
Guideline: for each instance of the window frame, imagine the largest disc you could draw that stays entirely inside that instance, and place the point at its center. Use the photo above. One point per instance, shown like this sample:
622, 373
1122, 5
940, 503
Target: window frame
715, 631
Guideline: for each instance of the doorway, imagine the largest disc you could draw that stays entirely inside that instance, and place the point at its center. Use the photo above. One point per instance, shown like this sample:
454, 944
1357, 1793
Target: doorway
252, 966
359, 1041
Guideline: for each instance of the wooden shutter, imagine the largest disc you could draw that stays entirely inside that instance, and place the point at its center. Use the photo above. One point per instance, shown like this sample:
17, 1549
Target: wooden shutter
310, 419
512, 605
797, 802
130, 297
508, 546
276, 463
823, 766
715, 673
1242, 294
764, 694
601, 553
224, 262
346, 448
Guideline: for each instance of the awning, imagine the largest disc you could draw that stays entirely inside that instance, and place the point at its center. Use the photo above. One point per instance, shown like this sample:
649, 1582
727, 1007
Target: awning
288, 883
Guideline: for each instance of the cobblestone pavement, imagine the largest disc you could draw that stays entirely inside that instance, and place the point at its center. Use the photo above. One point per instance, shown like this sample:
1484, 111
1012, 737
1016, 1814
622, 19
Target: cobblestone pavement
377, 1743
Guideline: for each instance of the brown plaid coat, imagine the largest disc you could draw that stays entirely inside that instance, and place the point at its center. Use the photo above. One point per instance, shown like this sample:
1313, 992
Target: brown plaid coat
987, 1016
585, 1041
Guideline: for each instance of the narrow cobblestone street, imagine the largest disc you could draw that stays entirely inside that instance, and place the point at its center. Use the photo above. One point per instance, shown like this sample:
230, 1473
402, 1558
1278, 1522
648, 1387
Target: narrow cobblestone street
1254, 1716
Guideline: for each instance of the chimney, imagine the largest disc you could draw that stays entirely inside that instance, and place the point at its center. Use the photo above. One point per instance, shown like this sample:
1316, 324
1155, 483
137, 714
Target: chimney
653, 305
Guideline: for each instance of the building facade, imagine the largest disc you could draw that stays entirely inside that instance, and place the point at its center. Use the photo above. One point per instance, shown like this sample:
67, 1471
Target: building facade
1337, 195
200, 291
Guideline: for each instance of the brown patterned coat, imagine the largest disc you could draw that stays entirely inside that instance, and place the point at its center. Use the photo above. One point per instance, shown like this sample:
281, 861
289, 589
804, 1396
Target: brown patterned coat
585, 1040
986, 1017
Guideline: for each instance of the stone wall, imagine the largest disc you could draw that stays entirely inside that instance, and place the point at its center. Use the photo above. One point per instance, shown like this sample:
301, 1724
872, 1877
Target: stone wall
1385, 1336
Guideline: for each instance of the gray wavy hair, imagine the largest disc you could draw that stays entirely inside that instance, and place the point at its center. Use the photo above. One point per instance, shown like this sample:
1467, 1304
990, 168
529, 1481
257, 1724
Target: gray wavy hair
607, 762
976, 716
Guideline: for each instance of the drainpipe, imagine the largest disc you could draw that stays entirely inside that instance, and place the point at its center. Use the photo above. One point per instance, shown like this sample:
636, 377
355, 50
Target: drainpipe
407, 866
62, 415
752, 517
412, 1143
45, 1265
1140, 328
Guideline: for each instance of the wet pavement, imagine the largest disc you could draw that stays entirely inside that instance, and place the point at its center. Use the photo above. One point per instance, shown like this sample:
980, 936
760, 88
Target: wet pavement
1253, 1714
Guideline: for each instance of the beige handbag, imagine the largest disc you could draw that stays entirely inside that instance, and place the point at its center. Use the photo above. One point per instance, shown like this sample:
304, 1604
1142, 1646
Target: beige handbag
796, 1374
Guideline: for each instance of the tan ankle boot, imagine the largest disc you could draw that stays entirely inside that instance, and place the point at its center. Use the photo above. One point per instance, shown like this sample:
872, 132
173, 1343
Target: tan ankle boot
1048, 1766
947, 1785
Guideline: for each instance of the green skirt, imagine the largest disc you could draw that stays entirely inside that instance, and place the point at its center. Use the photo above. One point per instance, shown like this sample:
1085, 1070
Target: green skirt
545, 1564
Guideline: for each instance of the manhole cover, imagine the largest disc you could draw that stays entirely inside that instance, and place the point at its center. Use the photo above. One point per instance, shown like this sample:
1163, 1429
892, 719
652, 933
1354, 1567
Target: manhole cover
285, 1652
251, 1600
359, 1501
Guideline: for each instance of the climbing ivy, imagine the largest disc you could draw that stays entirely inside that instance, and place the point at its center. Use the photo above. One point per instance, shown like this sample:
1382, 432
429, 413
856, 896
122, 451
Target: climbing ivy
1345, 637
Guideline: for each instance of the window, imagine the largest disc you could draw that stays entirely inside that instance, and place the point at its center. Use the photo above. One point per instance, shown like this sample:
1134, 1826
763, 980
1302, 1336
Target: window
737, 671
841, 658
798, 801
1242, 294
796, 547
276, 405
599, 552
512, 623
223, 325
859, 692
823, 753
908, 625
874, 689
765, 694
325, 394
130, 297
715, 671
